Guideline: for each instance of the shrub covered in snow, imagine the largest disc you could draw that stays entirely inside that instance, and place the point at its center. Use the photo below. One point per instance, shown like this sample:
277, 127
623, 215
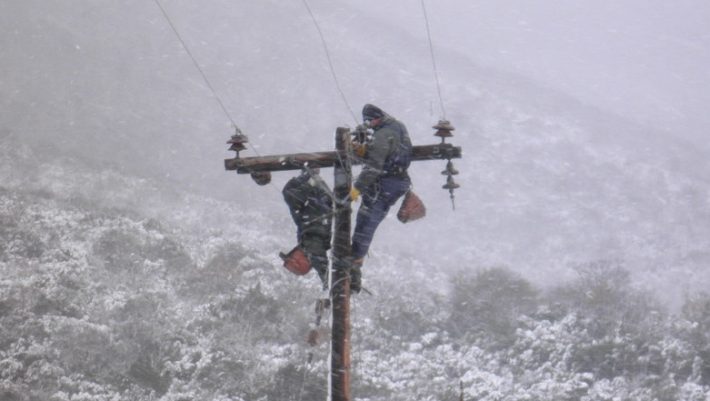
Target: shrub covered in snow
96, 304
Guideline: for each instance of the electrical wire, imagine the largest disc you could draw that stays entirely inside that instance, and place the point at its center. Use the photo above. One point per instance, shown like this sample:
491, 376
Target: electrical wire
330, 62
433, 61
204, 76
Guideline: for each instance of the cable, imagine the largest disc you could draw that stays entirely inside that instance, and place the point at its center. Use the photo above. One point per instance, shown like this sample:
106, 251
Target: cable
187, 50
433, 61
330, 62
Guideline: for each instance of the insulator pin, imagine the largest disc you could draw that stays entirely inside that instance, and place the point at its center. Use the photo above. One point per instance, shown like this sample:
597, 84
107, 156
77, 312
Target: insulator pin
238, 140
444, 129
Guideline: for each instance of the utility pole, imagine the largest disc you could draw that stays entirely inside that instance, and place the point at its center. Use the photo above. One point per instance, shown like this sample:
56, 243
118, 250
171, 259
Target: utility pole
260, 169
340, 344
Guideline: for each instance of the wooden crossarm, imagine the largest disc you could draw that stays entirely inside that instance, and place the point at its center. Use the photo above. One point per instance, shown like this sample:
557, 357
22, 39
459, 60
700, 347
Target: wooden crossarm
295, 161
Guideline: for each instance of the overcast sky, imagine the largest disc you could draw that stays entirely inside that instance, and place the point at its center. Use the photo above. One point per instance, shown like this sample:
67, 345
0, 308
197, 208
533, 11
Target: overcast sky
646, 60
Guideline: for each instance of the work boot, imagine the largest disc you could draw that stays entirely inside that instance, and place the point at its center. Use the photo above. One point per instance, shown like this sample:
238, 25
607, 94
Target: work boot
356, 276
320, 265
355, 280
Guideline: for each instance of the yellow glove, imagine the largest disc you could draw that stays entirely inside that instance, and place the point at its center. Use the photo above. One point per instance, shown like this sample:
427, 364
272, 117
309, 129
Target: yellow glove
359, 149
354, 194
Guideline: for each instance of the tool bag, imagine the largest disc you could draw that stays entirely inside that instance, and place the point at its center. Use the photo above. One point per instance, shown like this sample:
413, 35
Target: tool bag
412, 208
296, 261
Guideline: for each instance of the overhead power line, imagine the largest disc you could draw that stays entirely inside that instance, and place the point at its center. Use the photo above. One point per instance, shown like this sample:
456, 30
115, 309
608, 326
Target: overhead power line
204, 76
330, 61
433, 61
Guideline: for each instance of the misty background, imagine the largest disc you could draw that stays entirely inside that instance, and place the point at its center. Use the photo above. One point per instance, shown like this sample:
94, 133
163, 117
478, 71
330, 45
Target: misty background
574, 266
583, 124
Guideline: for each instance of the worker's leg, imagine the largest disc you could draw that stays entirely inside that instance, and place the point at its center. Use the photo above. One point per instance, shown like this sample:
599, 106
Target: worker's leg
374, 208
316, 247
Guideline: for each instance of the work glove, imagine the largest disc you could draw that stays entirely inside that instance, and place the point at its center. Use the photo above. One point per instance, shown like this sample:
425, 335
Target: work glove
354, 194
359, 149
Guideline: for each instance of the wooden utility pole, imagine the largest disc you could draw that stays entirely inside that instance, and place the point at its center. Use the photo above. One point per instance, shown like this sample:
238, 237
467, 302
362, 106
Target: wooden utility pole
340, 159
340, 345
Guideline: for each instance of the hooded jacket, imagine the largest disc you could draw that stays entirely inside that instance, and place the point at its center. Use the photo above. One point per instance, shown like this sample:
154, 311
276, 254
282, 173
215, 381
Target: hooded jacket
310, 206
389, 140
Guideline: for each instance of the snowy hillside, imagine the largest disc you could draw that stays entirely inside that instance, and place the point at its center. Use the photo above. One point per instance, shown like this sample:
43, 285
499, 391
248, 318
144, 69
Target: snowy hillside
100, 301
134, 267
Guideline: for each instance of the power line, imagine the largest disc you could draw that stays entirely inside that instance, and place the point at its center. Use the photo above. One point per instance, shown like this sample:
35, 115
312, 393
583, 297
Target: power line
433, 60
204, 76
330, 61
187, 50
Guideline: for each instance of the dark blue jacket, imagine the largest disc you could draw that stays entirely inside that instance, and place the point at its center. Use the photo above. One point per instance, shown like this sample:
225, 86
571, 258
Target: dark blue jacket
310, 205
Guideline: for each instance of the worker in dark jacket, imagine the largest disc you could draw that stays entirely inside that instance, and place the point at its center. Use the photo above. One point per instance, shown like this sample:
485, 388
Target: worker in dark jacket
381, 183
309, 200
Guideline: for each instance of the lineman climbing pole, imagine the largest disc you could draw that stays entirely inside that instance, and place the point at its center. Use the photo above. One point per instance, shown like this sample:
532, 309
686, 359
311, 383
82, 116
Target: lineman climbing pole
341, 159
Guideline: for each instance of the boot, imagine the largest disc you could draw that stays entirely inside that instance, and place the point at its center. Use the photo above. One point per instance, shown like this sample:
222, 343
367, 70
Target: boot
356, 276
355, 280
320, 265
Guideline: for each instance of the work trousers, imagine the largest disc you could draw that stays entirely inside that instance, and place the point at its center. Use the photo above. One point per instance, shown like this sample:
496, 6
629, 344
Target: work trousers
376, 202
316, 247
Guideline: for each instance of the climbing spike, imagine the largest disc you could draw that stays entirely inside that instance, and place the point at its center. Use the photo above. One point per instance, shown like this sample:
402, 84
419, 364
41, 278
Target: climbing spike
321, 305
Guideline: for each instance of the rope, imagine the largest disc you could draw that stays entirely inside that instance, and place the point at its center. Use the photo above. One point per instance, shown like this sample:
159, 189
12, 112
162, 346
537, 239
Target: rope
433, 61
330, 61
187, 50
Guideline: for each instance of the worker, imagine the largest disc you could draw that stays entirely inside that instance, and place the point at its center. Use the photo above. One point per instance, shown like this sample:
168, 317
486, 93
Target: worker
382, 181
310, 202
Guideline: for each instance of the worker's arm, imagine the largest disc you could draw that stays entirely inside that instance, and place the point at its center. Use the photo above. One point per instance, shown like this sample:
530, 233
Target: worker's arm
377, 151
